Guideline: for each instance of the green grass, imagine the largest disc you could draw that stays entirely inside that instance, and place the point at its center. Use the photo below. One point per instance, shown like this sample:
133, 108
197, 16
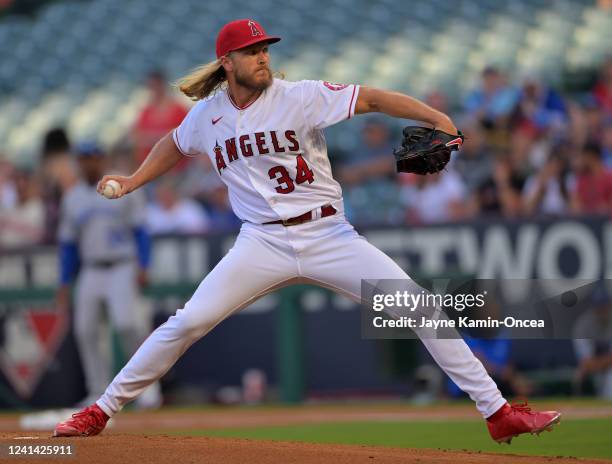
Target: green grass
578, 438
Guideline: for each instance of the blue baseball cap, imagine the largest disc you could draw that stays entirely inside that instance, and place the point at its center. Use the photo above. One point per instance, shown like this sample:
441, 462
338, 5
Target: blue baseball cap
89, 150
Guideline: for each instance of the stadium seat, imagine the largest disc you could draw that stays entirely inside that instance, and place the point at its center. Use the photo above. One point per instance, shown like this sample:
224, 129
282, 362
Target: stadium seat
102, 50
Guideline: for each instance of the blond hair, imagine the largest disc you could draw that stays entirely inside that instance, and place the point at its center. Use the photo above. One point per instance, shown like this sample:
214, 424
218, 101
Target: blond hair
203, 80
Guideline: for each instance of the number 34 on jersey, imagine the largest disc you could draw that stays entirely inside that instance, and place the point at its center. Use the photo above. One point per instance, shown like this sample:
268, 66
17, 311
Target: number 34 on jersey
251, 144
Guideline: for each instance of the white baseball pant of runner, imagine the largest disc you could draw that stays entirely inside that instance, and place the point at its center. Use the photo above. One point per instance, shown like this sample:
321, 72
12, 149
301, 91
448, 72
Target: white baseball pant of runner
327, 252
116, 286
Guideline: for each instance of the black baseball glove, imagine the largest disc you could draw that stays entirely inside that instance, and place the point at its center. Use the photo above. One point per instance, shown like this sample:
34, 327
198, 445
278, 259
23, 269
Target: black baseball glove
425, 151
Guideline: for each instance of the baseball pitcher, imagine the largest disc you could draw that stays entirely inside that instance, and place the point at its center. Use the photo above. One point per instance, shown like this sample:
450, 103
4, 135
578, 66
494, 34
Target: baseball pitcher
265, 138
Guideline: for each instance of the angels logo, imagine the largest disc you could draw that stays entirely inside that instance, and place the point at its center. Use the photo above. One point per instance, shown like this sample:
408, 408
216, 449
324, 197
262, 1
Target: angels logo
332, 86
219, 157
31, 337
254, 29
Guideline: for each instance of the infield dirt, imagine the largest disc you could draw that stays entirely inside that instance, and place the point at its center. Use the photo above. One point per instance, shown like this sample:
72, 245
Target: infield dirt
132, 449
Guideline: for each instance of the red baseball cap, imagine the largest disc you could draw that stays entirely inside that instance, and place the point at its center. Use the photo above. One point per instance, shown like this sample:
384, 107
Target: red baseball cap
239, 34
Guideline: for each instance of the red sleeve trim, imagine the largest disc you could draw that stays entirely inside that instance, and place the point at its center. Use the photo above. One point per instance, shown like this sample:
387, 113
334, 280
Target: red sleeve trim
351, 103
178, 145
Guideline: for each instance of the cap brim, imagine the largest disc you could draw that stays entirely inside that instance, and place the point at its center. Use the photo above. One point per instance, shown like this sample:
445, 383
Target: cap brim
270, 39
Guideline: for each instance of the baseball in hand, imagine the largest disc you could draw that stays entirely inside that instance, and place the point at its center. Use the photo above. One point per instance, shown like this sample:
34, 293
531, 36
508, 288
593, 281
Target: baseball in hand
112, 188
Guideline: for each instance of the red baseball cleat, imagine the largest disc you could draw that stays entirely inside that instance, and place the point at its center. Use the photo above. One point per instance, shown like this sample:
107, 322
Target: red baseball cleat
85, 423
512, 420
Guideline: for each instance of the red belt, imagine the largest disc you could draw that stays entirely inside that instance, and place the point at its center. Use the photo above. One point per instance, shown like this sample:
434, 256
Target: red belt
327, 210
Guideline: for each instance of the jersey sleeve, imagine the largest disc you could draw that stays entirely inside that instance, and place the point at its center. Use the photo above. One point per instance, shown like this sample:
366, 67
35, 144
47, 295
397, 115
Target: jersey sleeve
189, 136
326, 104
68, 261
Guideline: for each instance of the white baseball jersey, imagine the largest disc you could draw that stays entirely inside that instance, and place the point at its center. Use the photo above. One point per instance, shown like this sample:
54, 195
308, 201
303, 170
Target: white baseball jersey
271, 154
102, 229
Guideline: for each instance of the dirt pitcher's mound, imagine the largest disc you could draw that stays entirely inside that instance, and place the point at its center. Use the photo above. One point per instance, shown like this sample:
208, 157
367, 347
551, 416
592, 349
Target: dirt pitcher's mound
128, 449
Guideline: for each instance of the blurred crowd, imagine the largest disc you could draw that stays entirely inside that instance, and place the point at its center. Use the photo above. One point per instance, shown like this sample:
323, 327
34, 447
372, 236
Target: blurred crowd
530, 150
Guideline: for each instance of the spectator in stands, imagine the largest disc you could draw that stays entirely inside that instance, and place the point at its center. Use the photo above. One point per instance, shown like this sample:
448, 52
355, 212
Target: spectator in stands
60, 174
200, 179
374, 160
440, 197
603, 89
606, 143
500, 194
547, 191
493, 101
586, 120
368, 177
539, 117
594, 121
8, 192
58, 163
438, 100
593, 345
591, 188
539, 108
201, 182
120, 156
474, 162
161, 114
24, 224
220, 213
172, 214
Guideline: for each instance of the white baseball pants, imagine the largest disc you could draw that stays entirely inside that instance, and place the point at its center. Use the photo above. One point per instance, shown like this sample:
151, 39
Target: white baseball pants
327, 252
117, 288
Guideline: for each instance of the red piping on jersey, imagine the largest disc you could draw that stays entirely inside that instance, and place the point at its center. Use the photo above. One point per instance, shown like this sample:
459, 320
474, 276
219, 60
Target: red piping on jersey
243, 107
178, 145
351, 104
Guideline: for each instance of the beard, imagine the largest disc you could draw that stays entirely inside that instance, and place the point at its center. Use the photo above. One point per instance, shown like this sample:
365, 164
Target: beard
252, 83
